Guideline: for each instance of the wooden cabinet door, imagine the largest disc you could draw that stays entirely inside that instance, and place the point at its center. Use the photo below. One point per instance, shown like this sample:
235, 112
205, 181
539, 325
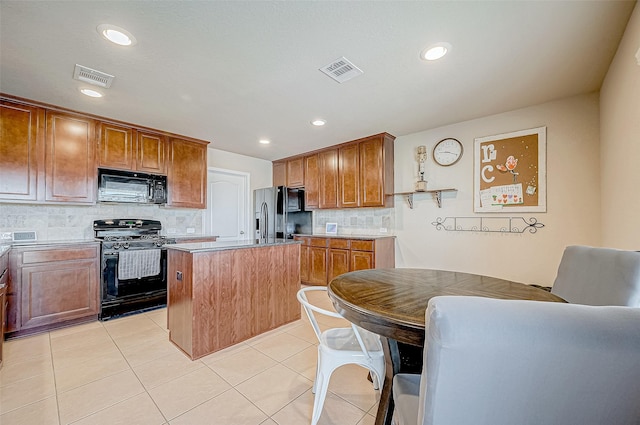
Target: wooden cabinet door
361, 260
58, 291
13, 308
151, 153
311, 182
187, 177
279, 173
21, 151
349, 174
70, 172
376, 171
317, 265
304, 258
2, 319
295, 172
304, 263
116, 147
180, 298
328, 172
338, 263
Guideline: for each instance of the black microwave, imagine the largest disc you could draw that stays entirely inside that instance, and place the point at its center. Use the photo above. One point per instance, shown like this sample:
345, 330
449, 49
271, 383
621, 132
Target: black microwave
131, 187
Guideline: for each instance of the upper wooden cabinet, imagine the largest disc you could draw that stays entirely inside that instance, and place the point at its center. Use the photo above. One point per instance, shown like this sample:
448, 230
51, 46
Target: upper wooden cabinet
289, 173
48, 154
115, 146
295, 172
376, 171
151, 154
130, 149
328, 181
70, 171
21, 150
350, 175
187, 179
311, 182
280, 173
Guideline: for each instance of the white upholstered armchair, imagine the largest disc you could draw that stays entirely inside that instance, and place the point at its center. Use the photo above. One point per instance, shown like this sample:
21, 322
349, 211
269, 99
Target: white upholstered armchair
507, 362
599, 276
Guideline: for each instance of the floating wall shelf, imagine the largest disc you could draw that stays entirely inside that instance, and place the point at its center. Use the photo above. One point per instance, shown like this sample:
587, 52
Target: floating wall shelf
436, 192
488, 224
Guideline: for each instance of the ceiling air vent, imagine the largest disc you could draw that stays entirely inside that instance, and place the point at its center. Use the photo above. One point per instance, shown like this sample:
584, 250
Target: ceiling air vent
92, 76
341, 70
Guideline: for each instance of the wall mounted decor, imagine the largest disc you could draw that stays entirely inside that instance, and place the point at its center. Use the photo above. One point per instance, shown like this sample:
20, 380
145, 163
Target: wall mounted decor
488, 224
510, 172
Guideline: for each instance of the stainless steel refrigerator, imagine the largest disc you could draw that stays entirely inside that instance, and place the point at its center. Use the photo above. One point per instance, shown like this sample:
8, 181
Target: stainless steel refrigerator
280, 213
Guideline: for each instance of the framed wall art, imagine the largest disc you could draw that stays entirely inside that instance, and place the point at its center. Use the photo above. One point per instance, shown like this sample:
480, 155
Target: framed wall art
331, 228
510, 172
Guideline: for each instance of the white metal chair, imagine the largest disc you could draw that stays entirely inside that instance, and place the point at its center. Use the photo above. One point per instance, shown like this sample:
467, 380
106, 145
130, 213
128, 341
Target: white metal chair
599, 276
506, 362
338, 347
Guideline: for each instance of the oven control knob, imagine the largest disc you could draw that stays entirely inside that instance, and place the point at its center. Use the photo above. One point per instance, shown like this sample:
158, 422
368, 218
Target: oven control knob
125, 245
158, 243
116, 246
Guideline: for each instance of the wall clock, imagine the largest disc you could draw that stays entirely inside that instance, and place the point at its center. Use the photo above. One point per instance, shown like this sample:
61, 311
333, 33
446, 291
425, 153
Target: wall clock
447, 152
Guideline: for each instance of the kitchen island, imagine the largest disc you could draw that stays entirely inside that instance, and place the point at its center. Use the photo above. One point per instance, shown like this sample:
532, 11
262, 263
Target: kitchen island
222, 293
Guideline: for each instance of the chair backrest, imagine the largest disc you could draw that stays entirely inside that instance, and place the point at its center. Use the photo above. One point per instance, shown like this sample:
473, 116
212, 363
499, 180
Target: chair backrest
599, 276
310, 308
505, 362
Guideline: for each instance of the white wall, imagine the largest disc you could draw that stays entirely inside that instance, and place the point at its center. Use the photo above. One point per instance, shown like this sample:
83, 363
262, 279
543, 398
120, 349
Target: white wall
573, 196
620, 143
260, 170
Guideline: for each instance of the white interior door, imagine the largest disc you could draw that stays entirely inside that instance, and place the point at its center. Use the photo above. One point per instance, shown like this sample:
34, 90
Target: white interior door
228, 203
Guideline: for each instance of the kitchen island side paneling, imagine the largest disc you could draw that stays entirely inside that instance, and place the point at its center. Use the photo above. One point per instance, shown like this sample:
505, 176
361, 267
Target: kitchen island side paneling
220, 295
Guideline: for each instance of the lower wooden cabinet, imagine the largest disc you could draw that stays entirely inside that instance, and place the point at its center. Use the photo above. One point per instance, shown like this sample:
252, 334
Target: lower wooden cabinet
52, 285
220, 298
323, 258
3, 290
4, 283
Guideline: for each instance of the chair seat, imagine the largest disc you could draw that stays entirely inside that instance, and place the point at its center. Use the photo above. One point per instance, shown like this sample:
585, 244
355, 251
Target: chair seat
344, 339
406, 397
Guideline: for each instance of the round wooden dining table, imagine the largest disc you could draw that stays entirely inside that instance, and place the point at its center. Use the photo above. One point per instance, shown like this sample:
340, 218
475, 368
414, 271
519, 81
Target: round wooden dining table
392, 304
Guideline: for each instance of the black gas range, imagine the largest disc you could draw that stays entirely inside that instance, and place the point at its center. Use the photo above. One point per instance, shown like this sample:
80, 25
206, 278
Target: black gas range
133, 264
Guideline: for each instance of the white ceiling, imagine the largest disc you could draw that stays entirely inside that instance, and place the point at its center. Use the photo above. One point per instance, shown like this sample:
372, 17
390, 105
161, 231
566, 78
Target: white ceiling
234, 72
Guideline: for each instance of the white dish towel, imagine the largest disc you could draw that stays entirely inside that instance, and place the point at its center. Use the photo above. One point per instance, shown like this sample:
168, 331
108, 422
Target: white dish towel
139, 263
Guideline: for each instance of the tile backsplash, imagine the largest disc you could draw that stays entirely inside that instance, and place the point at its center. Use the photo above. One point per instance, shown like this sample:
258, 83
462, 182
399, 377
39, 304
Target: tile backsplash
62, 222
356, 221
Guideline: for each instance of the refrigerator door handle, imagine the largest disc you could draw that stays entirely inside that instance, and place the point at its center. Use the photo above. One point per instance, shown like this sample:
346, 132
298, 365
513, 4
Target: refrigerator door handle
264, 219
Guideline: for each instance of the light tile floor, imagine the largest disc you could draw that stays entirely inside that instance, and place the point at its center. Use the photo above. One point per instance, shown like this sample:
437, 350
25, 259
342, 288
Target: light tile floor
125, 371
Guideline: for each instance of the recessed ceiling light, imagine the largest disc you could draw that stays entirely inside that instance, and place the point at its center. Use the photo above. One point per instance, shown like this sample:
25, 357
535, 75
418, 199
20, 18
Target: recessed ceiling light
435, 51
116, 35
90, 93
264, 141
318, 123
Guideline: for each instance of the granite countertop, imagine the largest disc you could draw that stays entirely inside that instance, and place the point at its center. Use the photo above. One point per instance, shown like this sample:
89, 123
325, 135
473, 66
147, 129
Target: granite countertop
55, 242
364, 237
224, 245
180, 238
